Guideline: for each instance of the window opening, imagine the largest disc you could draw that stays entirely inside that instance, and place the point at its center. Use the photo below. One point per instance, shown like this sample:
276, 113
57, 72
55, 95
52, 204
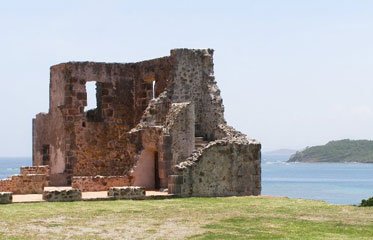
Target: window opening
45, 154
91, 96
153, 83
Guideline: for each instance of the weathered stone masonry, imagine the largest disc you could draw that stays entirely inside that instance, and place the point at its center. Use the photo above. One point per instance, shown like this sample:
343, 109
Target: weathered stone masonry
32, 180
176, 138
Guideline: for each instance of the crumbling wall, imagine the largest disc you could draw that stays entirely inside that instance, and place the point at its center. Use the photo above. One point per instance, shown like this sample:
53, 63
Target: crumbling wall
6, 197
159, 107
100, 183
223, 168
93, 145
230, 163
194, 82
40, 135
180, 125
49, 130
96, 142
24, 184
31, 180
48, 145
35, 170
125, 95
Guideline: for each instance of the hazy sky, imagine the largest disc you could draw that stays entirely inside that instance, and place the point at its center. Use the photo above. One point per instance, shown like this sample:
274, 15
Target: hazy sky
293, 73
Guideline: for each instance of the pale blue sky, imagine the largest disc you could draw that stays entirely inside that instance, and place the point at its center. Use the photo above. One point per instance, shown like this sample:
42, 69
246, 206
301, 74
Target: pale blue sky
293, 73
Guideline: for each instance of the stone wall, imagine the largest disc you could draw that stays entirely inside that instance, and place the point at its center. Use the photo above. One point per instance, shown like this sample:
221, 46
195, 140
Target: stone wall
95, 142
62, 194
194, 82
133, 132
126, 193
180, 125
6, 185
48, 144
35, 170
24, 184
223, 168
100, 183
6, 197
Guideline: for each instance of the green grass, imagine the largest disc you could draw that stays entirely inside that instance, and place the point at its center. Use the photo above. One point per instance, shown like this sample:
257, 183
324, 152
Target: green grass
190, 218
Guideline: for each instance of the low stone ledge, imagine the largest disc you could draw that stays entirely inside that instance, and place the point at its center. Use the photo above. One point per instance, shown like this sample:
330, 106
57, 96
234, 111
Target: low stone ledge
126, 192
43, 169
6, 197
99, 183
62, 194
25, 184
175, 183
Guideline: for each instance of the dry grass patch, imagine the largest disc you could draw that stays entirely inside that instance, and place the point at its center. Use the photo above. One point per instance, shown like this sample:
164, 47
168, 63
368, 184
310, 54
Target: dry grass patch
194, 218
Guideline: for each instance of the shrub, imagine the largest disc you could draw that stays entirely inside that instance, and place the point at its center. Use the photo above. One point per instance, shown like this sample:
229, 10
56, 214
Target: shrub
367, 203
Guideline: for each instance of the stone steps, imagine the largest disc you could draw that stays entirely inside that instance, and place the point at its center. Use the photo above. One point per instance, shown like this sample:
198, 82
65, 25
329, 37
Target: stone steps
199, 142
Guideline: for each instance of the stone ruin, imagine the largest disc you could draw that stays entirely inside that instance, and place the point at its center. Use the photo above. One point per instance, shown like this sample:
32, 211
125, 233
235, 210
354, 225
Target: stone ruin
158, 124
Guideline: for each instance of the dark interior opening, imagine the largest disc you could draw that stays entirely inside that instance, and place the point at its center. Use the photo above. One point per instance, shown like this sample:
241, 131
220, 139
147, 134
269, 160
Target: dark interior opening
157, 180
46, 154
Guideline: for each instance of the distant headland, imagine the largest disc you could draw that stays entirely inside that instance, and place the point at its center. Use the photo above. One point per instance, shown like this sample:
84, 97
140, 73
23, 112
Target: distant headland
345, 150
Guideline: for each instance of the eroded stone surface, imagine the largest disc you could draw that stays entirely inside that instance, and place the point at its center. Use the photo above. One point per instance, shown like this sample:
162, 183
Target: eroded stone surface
25, 183
99, 183
62, 194
35, 170
127, 192
6, 197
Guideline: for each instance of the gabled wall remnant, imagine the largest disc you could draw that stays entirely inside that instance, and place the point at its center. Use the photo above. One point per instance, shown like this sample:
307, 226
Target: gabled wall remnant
159, 123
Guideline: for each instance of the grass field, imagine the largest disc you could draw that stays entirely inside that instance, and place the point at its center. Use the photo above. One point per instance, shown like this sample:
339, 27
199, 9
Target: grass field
189, 218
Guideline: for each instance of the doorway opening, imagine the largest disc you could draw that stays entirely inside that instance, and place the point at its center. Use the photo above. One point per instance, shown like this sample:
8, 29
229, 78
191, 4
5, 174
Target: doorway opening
146, 173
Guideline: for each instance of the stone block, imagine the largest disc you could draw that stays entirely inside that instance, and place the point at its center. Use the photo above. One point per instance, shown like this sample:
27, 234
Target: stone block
174, 189
176, 179
62, 194
127, 192
6, 197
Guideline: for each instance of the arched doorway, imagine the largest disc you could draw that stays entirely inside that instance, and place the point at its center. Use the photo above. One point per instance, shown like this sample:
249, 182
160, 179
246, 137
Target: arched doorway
146, 173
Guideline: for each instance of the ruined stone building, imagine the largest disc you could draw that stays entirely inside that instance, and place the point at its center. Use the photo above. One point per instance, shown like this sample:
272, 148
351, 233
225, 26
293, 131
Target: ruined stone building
158, 124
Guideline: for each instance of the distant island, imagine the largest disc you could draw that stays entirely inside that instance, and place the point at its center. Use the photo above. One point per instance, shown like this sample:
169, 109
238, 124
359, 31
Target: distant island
282, 152
337, 151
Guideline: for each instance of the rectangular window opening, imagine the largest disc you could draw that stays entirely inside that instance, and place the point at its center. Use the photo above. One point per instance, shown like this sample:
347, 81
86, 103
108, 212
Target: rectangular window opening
46, 154
91, 89
94, 98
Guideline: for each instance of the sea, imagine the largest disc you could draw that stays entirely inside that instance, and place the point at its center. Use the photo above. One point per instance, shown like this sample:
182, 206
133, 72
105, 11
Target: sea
335, 183
10, 166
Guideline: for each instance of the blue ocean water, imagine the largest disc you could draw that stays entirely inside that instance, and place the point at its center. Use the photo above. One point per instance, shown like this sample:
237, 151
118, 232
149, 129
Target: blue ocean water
10, 166
337, 183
